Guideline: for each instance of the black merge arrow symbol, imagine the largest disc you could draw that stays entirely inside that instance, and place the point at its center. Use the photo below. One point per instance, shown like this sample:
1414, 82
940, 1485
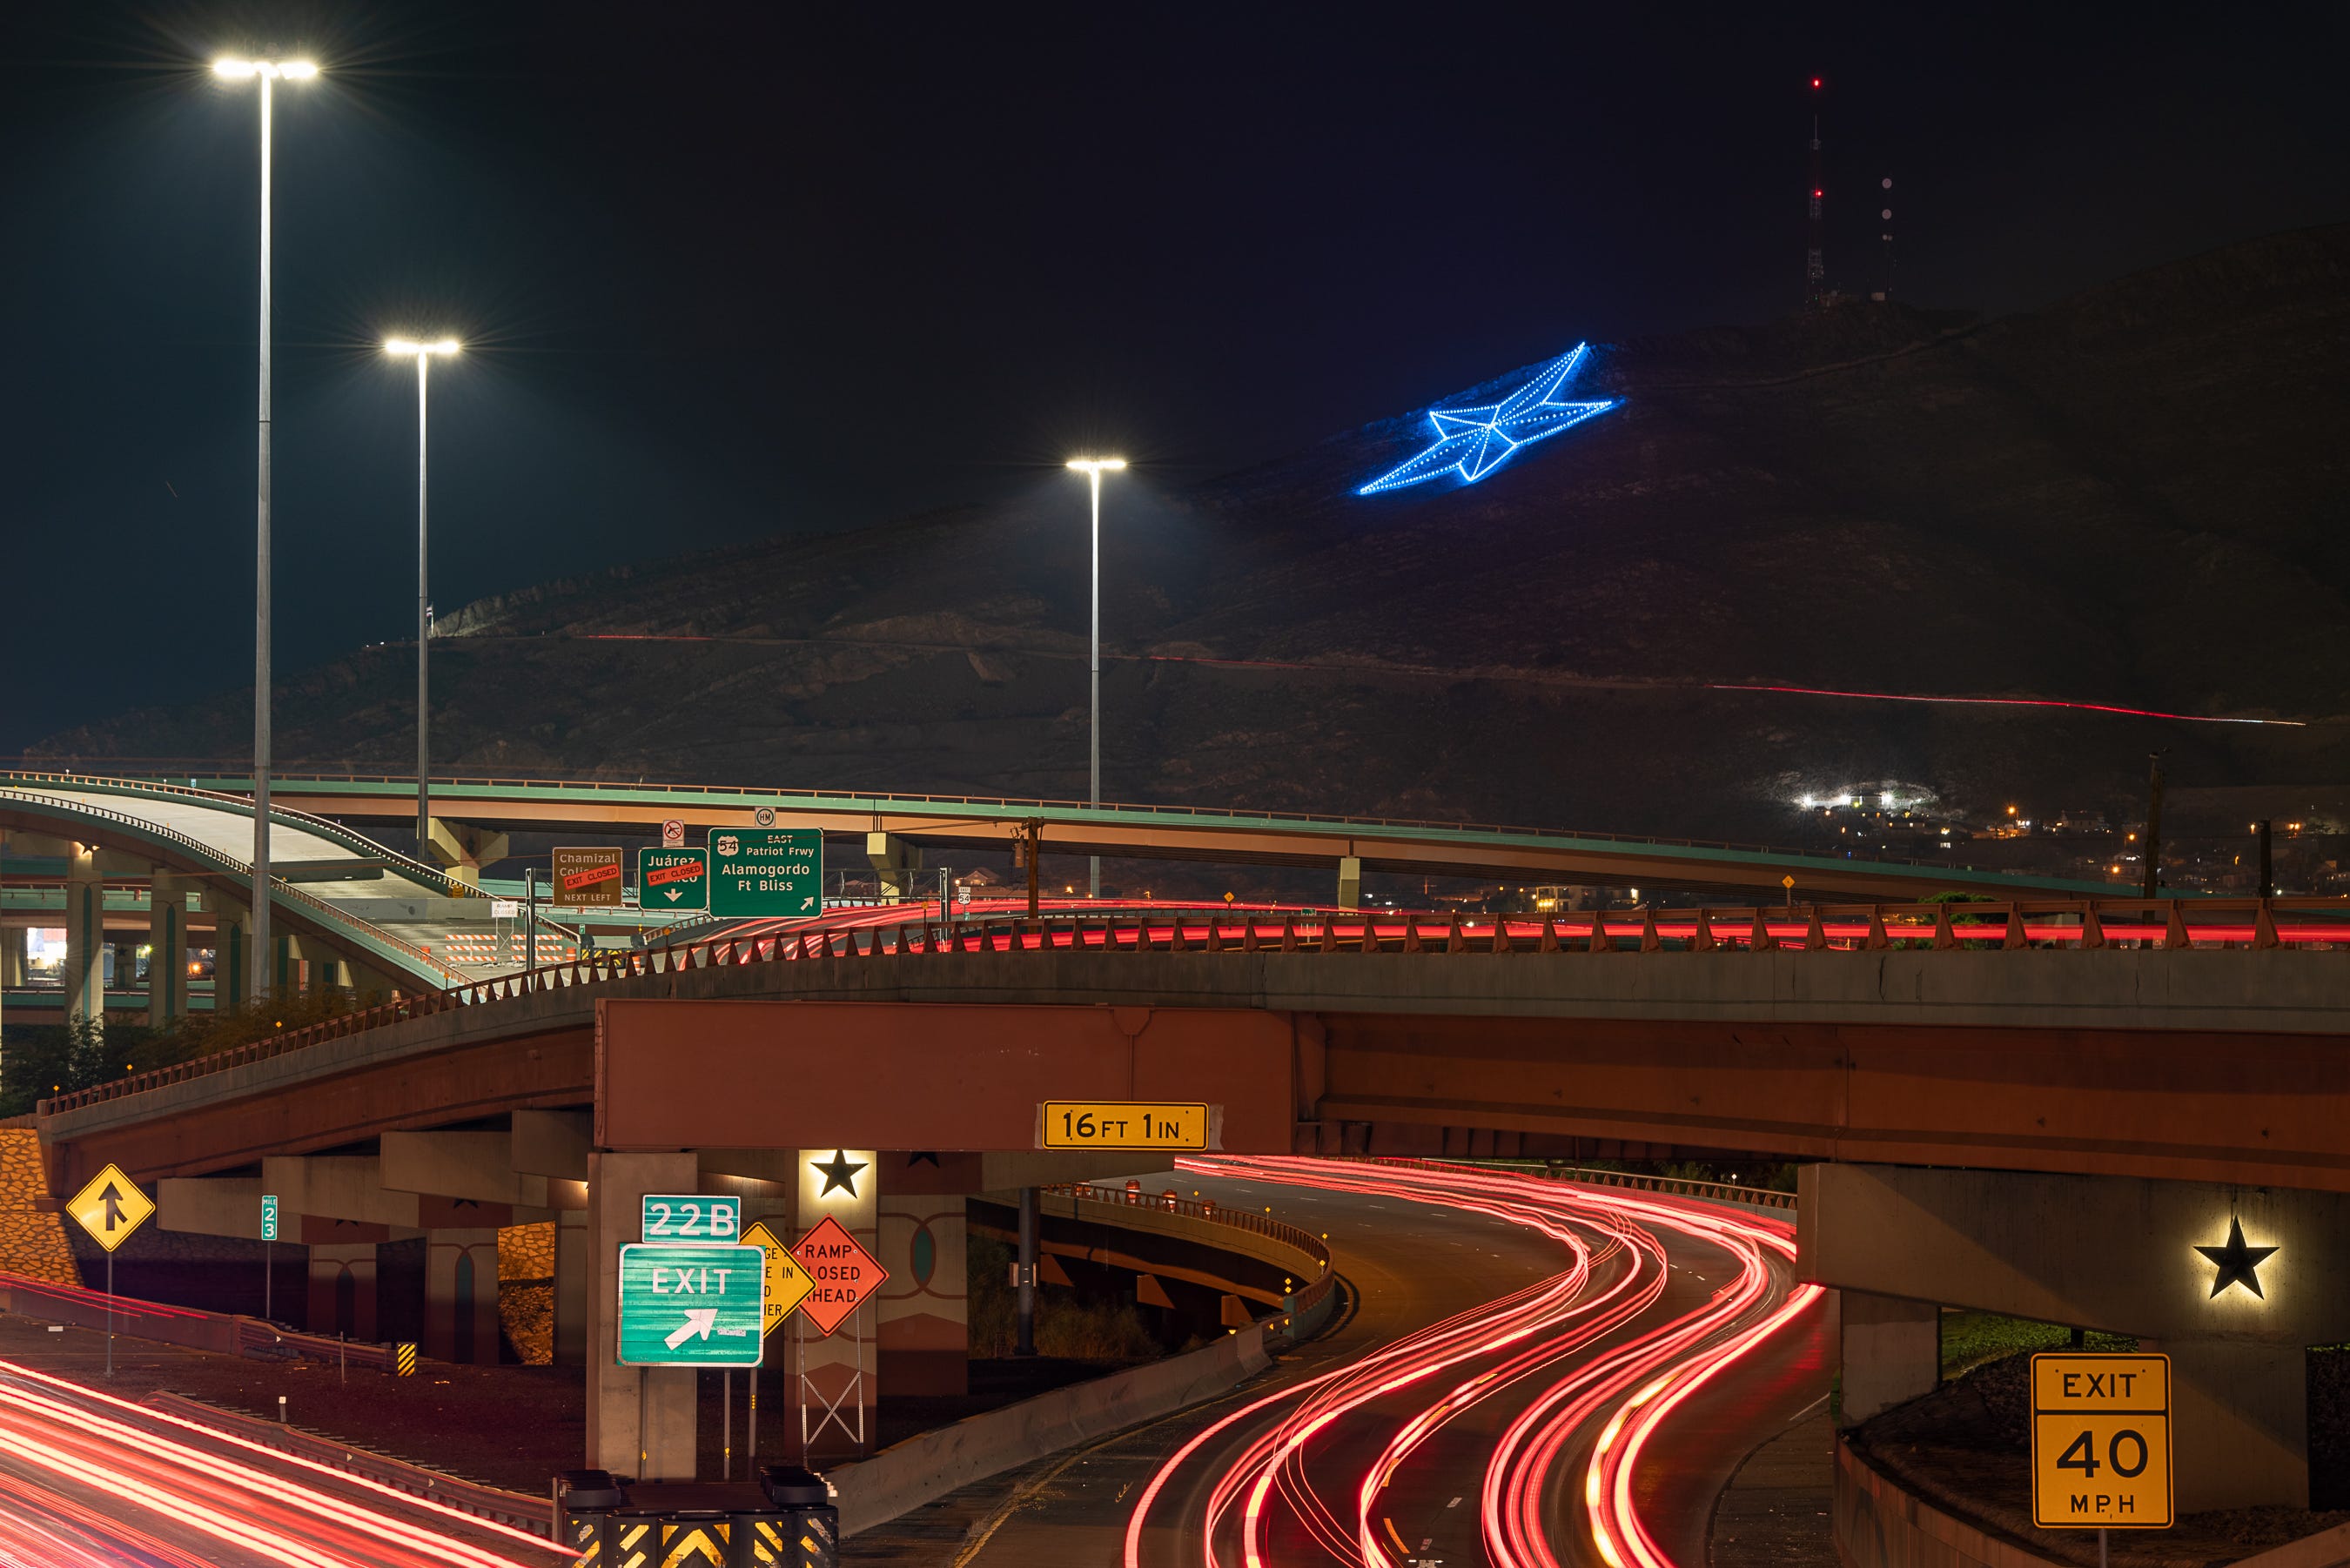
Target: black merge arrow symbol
114, 1201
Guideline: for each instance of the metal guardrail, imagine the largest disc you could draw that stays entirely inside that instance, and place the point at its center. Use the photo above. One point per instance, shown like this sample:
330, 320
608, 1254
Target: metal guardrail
2277, 924
317, 908
1315, 1250
515, 1508
1670, 1186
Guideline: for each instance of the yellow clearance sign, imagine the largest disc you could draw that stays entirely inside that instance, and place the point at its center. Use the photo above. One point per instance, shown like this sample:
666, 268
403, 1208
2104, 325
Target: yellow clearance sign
2101, 1442
110, 1208
1123, 1124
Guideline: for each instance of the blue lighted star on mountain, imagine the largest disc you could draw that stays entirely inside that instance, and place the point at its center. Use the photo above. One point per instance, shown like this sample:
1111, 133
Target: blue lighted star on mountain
1473, 442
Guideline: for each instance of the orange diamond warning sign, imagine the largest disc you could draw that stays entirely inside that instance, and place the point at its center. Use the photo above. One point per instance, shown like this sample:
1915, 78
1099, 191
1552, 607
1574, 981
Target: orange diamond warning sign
842, 1275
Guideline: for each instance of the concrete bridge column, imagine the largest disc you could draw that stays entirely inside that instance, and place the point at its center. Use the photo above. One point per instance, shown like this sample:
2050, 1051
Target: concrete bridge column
461, 1295
898, 863
285, 964
85, 937
1350, 882
234, 982
15, 949
924, 1311
342, 1290
167, 942
834, 1381
463, 848
1892, 1353
661, 1446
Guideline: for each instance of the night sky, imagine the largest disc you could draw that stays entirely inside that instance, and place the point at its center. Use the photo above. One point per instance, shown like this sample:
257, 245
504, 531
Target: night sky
729, 269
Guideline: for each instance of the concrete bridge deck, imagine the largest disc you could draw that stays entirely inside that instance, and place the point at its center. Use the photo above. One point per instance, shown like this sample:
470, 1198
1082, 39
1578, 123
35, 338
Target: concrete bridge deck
2230, 1064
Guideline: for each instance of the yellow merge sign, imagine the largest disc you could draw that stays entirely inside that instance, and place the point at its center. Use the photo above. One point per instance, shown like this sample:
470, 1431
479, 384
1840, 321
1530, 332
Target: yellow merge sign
1125, 1124
110, 1208
2101, 1442
787, 1282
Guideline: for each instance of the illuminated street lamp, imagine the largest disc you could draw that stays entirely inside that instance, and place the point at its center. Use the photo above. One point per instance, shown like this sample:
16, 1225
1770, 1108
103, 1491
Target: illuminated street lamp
1092, 468
269, 72
422, 353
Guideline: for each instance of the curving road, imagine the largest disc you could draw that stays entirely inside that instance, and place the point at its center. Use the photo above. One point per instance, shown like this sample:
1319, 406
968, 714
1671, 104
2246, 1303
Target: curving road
1536, 1372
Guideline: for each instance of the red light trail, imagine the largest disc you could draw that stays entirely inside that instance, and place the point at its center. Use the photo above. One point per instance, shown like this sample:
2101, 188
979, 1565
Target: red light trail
78, 1468
2012, 703
1558, 1346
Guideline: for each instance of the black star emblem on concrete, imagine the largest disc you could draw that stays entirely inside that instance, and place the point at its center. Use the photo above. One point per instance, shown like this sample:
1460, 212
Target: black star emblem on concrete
2237, 1261
840, 1174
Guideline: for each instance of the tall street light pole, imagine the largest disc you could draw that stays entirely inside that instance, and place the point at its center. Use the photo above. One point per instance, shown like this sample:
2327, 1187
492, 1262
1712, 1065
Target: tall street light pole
1092, 468
422, 354
268, 73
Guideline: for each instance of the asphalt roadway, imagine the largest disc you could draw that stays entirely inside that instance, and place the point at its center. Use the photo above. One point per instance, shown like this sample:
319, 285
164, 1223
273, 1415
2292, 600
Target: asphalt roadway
1409, 1266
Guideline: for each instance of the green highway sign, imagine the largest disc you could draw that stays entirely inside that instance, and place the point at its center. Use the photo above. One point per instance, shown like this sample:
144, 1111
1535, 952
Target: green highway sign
691, 1305
766, 871
672, 879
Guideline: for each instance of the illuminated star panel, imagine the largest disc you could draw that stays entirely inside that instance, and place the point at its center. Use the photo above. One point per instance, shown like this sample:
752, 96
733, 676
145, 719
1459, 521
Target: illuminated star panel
1472, 442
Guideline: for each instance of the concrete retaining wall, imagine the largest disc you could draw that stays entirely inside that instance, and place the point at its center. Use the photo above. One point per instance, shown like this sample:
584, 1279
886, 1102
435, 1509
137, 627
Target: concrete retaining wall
903, 1477
1879, 1525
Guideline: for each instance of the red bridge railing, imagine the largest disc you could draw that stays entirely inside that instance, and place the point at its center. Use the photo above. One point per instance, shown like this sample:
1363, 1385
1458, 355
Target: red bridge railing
2170, 924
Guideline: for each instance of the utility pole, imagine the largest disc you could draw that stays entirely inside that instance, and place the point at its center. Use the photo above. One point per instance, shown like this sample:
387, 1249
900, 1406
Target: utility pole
2154, 827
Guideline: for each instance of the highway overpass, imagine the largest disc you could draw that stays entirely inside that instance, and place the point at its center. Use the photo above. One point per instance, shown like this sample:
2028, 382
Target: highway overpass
1343, 844
2161, 1056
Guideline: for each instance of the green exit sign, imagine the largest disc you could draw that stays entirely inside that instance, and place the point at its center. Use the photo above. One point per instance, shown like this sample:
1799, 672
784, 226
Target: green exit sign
672, 879
691, 1305
766, 871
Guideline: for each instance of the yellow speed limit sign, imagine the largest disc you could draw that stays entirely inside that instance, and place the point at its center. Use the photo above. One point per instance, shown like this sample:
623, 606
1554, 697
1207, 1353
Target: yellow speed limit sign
2101, 1442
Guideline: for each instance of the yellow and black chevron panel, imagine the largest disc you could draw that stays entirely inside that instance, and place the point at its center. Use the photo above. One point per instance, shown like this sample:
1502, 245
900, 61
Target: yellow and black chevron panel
770, 1546
588, 1531
693, 1543
635, 1543
404, 1360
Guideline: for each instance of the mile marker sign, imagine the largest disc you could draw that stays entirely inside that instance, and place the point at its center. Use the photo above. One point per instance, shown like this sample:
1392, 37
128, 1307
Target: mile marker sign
2101, 1442
110, 1208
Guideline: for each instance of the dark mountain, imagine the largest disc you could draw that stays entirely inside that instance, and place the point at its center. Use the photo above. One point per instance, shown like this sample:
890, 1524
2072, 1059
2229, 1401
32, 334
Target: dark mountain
2135, 497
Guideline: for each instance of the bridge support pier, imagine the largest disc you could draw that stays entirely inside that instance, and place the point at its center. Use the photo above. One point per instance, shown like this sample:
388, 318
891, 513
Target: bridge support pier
641, 1419
1892, 1351
464, 849
234, 981
85, 937
1350, 883
167, 941
897, 862
2118, 1254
